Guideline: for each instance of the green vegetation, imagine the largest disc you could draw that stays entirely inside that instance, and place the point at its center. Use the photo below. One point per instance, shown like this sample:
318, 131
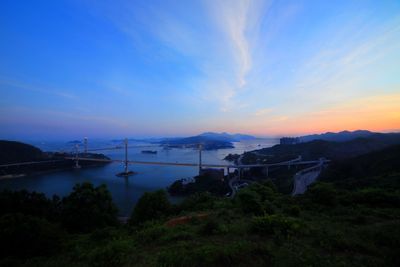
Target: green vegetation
350, 218
151, 206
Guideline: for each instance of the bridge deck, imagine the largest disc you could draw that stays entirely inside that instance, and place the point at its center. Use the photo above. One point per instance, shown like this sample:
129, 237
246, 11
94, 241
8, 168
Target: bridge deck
203, 164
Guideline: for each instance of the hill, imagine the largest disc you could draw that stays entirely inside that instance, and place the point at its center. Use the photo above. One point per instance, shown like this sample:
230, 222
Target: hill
337, 137
12, 152
226, 137
333, 150
17, 152
207, 142
371, 169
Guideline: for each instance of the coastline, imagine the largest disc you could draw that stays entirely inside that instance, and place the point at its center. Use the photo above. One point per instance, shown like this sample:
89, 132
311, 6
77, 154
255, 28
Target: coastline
19, 175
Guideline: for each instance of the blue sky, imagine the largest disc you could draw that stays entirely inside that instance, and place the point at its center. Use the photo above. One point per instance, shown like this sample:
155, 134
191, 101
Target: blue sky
70, 69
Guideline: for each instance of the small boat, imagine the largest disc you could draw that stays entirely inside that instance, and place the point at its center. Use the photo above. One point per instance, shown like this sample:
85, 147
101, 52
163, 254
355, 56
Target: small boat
125, 174
149, 151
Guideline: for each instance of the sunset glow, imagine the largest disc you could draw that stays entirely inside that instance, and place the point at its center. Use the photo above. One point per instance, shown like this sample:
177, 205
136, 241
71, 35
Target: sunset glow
170, 68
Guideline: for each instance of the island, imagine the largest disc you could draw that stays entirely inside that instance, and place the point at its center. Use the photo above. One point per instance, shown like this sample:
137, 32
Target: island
19, 159
208, 140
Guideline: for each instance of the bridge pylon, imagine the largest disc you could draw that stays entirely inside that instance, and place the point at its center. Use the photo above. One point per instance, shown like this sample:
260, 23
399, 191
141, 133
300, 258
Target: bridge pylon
126, 172
200, 163
77, 166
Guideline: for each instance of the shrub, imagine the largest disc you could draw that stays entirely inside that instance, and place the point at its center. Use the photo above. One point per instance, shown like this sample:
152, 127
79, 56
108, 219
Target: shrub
265, 191
212, 227
114, 253
176, 188
151, 206
88, 208
24, 236
28, 203
377, 198
151, 232
275, 224
231, 254
198, 201
323, 193
250, 202
293, 210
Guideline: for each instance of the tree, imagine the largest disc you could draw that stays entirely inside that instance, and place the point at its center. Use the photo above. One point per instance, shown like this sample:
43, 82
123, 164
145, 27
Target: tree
24, 236
151, 206
88, 208
28, 203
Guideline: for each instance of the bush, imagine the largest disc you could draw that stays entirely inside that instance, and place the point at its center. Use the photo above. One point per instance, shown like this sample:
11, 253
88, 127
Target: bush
275, 224
265, 191
176, 188
151, 206
88, 208
212, 227
250, 202
231, 254
151, 232
24, 236
198, 201
113, 253
323, 193
28, 203
293, 210
376, 197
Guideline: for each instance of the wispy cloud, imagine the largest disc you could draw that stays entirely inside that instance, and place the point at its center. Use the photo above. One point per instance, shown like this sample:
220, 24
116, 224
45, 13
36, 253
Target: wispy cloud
239, 21
37, 88
263, 112
218, 38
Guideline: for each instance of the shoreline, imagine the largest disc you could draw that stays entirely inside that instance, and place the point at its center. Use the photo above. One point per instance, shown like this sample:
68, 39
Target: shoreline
19, 175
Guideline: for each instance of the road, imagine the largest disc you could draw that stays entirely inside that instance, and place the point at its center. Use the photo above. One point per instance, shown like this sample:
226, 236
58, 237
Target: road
303, 179
236, 178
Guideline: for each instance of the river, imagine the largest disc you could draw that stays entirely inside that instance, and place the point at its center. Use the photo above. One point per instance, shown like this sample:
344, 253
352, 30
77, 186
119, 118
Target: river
126, 191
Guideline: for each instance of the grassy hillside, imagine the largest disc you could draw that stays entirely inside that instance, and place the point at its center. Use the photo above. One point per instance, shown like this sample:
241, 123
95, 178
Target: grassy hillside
377, 168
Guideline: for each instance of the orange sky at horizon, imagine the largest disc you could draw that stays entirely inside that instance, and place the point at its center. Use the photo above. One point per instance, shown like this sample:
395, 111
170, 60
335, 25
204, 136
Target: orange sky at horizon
380, 113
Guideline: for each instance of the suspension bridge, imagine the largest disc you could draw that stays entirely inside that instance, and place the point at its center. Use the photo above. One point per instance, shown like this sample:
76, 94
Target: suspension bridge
84, 155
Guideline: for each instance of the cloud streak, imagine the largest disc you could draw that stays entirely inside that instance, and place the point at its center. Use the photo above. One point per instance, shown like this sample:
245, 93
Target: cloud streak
38, 89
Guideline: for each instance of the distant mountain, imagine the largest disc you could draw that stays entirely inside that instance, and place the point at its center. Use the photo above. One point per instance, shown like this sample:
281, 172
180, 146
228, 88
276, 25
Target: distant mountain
337, 137
226, 137
208, 143
209, 140
74, 142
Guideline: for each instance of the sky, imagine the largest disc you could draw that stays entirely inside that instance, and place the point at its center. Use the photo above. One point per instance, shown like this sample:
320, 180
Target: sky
76, 68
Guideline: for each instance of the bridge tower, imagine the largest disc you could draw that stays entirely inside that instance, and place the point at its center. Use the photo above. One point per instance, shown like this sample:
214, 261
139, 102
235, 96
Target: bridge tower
77, 166
85, 144
126, 172
200, 149
126, 155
